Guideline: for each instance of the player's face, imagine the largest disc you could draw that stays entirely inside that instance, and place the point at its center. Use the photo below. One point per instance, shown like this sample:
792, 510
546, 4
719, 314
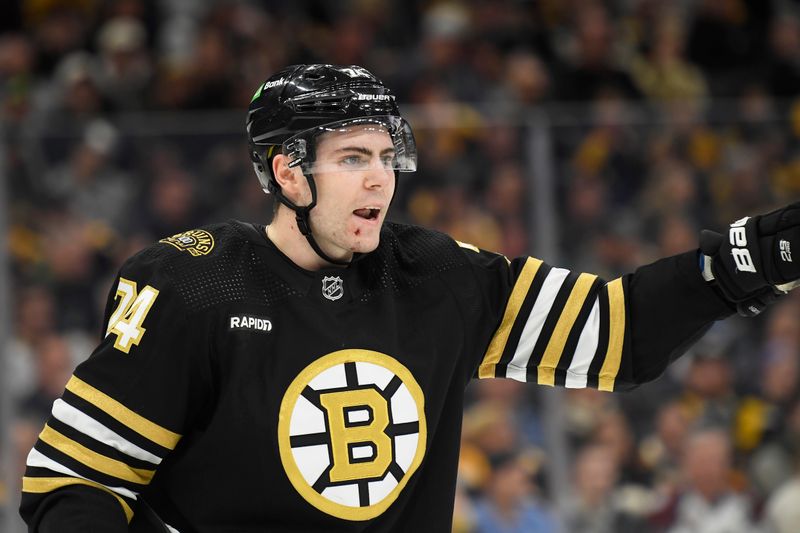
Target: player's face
355, 184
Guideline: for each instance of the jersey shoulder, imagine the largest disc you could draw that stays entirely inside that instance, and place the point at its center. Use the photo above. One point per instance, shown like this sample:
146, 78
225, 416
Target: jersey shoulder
409, 256
426, 249
210, 265
420, 249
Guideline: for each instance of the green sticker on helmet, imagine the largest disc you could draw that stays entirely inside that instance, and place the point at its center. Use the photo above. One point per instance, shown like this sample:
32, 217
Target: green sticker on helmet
258, 93
268, 85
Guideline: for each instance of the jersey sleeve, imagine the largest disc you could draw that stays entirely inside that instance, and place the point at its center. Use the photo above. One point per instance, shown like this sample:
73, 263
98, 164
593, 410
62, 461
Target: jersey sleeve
548, 325
123, 410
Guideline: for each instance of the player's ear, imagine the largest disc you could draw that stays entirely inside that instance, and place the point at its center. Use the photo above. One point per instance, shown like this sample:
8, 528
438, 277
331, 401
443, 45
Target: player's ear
291, 180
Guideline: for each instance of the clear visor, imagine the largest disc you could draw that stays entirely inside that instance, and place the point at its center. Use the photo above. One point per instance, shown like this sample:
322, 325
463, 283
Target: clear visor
377, 142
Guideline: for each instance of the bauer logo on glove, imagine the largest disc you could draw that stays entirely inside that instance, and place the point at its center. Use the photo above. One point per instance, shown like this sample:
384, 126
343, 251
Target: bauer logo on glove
754, 265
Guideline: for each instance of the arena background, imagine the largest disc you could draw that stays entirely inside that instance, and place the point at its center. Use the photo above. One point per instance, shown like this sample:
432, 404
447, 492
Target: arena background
596, 135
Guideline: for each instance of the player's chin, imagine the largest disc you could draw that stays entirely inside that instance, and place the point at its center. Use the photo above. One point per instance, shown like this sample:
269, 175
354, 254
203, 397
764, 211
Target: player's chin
365, 244
365, 237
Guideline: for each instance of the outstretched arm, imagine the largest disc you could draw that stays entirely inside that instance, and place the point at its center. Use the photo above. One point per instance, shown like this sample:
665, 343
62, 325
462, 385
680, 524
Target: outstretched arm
555, 327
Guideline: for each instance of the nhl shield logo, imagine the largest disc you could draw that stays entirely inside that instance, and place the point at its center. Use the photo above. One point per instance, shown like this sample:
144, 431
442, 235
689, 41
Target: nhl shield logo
332, 287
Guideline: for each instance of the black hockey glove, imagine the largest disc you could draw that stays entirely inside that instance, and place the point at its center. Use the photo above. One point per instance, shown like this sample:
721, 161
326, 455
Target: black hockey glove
753, 265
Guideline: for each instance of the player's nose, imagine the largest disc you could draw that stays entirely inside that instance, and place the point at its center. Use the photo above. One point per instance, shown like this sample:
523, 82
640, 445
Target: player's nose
378, 176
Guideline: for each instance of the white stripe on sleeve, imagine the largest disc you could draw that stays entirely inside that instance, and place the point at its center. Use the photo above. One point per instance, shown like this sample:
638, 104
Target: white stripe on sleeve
585, 350
517, 368
89, 426
38, 459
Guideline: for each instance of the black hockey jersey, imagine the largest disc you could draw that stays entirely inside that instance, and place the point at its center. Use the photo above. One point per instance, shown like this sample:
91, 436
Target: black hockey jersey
236, 392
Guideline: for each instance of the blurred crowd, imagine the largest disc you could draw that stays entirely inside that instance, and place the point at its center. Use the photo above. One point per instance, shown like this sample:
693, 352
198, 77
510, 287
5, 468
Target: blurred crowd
122, 122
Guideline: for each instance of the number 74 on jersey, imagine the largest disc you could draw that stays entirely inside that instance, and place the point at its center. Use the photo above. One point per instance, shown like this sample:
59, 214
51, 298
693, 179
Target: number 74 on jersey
126, 321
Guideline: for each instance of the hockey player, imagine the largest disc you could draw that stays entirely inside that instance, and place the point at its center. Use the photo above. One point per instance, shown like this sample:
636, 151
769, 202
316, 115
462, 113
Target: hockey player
309, 375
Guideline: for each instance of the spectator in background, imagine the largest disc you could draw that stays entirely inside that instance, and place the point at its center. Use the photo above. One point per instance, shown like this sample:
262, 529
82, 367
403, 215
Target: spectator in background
740, 184
613, 431
708, 397
53, 368
596, 504
70, 256
763, 422
171, 197
17, 76
783, 66
726, 39
526, 82
88, 185
676, 235
443, 50
512, 397
707, 502
506, 200
212, 73
35, 310
583, 411
464, 219
593, 73
660, 452
782, 513
663, 74
77, 82
510, 504
58, 28
675, 206
126, 72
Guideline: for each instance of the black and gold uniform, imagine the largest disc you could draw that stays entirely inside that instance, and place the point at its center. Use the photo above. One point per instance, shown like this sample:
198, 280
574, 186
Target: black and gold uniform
236, 392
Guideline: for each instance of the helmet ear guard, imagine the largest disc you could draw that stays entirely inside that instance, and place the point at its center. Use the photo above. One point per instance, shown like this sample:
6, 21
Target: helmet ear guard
263, 169
264, 177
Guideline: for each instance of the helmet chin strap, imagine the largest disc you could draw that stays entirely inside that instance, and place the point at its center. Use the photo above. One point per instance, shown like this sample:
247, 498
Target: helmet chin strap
302, 214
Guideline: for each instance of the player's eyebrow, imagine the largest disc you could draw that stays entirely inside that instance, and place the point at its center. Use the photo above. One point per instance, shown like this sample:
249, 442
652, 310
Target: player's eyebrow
363, 150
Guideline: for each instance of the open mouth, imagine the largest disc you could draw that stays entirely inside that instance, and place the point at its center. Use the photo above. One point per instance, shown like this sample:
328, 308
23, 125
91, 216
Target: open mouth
368, 213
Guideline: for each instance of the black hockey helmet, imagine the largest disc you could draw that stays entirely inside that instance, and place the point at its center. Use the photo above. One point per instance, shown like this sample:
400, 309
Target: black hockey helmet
301, 102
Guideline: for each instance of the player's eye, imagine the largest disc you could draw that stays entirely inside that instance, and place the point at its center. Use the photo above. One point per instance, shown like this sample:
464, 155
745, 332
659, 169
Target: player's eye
388, 161
353, 161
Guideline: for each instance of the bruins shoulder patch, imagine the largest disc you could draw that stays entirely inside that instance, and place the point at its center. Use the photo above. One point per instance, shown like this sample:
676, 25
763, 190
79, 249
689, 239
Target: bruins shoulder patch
197, 242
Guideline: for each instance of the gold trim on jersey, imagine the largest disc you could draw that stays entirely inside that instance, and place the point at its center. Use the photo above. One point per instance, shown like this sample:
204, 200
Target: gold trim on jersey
94, 460
468, 246
43, 485
150, 430
546, 371
616, 335
498, 343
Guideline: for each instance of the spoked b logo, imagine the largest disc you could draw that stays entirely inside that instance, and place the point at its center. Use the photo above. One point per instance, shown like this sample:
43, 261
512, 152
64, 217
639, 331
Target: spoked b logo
352, 432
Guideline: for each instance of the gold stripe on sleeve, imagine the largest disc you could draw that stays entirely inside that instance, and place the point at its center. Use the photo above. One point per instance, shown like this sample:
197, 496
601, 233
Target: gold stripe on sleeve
42, 485
546, 371
94, 460
161, 436
518, 294
616, 336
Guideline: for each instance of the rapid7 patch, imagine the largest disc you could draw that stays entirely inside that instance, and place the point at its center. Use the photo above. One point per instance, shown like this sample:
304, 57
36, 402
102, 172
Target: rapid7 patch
250, 323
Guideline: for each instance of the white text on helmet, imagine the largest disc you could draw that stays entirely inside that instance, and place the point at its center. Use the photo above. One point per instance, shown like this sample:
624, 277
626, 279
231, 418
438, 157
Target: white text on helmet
271, 84
376, 97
